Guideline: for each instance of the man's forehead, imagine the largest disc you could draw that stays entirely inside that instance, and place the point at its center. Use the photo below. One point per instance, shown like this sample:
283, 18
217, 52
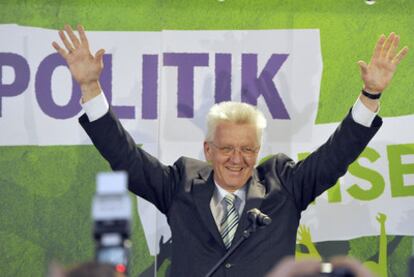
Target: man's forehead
235, 131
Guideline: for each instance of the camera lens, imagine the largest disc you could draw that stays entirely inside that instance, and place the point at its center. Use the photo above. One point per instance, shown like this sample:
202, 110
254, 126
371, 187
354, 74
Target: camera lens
342, 272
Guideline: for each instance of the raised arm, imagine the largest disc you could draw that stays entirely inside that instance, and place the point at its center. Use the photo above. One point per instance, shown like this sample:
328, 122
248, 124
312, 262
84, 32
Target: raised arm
309, 178
85, 67
304, 238
383, 255
378, 73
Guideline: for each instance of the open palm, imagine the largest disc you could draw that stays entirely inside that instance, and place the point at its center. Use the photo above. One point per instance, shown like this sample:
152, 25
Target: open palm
85, 67
379, 72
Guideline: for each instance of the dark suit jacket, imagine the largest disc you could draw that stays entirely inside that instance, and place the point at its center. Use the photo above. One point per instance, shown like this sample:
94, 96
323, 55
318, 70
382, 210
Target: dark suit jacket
279, 187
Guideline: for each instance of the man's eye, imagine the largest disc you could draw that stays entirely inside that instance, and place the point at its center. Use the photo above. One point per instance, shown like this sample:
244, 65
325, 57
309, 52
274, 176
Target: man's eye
247, 150
227, 149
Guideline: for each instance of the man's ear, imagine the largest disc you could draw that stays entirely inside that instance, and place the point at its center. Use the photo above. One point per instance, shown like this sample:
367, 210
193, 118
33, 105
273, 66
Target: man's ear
207, 151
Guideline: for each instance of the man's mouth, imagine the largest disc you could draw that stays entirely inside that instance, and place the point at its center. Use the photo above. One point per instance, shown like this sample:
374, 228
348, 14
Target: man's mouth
235, 169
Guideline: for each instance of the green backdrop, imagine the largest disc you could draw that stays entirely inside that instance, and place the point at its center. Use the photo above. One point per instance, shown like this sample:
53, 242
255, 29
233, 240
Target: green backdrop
46, 191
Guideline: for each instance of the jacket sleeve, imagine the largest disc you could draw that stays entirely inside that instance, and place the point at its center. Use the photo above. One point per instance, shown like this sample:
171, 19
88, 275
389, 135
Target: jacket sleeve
307, 179
147, 177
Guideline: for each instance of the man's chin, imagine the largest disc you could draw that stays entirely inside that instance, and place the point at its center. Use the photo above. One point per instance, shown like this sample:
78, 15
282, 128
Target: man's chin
235, 185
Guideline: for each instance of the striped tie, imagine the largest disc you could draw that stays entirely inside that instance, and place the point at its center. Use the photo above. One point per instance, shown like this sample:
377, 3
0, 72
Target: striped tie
230, 220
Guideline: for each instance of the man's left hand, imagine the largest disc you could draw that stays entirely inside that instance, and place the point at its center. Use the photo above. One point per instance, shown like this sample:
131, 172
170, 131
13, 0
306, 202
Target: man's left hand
379, 72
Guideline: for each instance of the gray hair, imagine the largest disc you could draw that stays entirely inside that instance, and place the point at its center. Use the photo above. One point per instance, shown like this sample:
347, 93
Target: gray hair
235, 112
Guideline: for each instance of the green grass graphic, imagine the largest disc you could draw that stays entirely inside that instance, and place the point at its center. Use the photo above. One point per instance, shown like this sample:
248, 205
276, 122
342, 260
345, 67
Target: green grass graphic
46, 192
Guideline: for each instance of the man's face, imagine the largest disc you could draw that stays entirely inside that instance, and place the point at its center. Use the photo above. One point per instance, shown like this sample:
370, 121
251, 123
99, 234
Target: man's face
233, 154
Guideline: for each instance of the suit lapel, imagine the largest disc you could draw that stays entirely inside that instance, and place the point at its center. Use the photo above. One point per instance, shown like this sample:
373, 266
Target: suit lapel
203, 189
254, 197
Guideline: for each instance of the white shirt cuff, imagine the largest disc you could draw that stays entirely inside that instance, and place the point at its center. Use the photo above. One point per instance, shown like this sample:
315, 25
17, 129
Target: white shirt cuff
96, 107
362, 114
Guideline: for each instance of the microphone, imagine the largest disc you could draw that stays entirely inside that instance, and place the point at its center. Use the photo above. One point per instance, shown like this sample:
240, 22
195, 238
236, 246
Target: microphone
258, 218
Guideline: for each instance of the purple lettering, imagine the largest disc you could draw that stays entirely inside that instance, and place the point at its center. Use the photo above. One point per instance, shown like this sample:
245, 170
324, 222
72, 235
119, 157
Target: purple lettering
223, 78
43, 90
123, 112
149, 86
185, 63
21, 75
253, 86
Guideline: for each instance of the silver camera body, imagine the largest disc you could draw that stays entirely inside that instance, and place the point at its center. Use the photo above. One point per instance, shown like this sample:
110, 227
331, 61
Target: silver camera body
112, 216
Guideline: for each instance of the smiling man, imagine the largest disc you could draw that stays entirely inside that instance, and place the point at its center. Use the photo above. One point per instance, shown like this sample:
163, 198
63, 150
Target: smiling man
232, 143
206, 203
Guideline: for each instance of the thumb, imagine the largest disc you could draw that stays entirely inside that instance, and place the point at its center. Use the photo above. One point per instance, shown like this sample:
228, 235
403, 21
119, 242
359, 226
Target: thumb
99, 55
363, 66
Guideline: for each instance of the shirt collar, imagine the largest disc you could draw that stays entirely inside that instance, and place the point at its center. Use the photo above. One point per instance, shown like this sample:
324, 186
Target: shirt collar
220, 193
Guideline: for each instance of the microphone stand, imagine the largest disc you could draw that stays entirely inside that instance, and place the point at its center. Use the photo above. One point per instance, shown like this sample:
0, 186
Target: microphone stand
246, 234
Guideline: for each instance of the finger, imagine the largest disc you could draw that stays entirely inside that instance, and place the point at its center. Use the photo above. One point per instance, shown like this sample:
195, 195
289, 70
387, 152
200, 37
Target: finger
388, 44
363, 67
378, 47
66, 42
355, 266
282, 268
305, 268
60, 50
393, 49
72, 36
400, 56
99, 55
82, 35
288, 267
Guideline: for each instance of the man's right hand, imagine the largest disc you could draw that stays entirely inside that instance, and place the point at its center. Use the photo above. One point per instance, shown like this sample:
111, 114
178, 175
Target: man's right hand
85, 67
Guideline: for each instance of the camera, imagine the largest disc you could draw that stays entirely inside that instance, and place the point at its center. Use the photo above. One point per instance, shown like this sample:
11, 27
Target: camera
327, 270
111, 214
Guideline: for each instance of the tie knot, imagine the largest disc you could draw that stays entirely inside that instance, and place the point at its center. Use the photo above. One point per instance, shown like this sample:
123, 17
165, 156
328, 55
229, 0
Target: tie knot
230, 199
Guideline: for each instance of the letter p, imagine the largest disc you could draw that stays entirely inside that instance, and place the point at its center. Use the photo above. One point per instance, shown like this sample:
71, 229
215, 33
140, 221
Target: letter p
21, 76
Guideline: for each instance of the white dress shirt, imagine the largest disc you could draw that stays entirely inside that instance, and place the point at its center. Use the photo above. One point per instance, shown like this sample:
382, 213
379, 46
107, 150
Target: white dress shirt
218, 206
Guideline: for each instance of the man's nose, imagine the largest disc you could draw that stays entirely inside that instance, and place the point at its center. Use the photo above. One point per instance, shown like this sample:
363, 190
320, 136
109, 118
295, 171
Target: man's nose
236, 156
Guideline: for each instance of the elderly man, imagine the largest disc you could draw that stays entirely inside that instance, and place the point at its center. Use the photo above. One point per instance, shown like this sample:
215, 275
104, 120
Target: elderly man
206, 202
